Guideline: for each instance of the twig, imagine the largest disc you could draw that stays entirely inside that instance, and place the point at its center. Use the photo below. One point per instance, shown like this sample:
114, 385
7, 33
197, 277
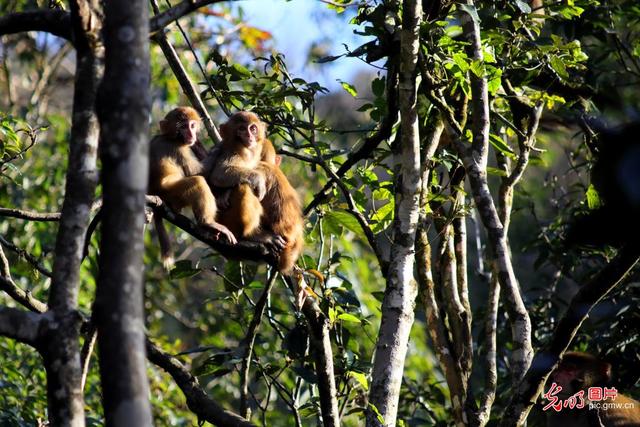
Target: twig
248, 342
26, 255
28, 215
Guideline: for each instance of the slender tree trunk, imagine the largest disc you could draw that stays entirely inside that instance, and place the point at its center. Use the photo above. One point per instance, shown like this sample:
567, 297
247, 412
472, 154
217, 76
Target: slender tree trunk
59, 344
400, 294
124, 107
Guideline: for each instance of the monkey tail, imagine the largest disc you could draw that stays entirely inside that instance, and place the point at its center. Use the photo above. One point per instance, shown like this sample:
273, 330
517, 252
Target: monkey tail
290, 254
166, 254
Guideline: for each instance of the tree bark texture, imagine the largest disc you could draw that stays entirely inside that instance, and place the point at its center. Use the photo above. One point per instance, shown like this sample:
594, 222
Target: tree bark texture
401, 291
123, 107
59, 343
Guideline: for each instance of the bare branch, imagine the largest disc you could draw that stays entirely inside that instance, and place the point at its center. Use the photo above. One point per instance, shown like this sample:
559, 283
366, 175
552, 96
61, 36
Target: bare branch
28, 215
26, 255
187, 85
323, 356
249, 341
197, 400
56, 22
245, 250
14, 291
23, 326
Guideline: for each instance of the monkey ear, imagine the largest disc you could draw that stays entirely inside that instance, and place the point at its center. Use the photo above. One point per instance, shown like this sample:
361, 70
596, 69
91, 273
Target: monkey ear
278, 160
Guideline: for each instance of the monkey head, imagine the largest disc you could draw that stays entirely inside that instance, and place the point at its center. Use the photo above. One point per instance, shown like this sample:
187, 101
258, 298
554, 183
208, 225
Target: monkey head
244, 127
181, 125
579, 371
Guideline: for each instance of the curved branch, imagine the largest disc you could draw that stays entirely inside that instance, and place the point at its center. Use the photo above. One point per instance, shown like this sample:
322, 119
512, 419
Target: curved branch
56, 22
197, 400
243, 250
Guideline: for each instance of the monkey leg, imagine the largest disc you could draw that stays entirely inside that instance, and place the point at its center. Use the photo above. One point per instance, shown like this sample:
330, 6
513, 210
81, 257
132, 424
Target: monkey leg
193, 191
243, 215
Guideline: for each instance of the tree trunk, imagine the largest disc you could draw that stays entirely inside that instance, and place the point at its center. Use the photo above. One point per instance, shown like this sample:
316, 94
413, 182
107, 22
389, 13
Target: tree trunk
123, 108
59, 341
400, 294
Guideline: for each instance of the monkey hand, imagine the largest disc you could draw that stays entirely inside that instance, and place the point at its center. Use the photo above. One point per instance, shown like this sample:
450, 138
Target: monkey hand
218, 229
257, 183
275, 242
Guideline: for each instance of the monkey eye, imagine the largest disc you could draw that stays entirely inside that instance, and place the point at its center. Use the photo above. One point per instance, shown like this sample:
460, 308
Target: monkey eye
253, 128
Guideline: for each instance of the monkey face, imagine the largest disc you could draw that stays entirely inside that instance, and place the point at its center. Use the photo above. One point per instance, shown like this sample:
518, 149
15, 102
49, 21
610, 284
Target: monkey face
249, 134
187, 131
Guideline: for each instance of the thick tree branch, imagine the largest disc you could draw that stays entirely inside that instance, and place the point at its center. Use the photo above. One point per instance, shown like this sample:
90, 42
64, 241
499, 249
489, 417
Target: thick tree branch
323, 356
474, 159
244, 250
56, 22
20, 325
197, 400
401, 289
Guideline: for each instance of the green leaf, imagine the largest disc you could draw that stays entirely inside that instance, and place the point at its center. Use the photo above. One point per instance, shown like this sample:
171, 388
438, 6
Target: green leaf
377, 87
342, 218
558, 66
499, 144
349, 88
495, 171
183, 269
360, 379
593, 198
349, 318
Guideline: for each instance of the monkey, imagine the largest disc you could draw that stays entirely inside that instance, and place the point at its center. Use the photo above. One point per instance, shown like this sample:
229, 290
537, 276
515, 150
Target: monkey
175, 174
577, 372
263, 206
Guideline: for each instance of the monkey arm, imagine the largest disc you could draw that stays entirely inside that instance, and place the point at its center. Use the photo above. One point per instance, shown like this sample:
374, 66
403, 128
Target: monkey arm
227, 176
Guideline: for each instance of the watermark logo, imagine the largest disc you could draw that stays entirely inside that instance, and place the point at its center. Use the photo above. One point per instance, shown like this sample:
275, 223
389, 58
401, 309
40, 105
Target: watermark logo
597, 398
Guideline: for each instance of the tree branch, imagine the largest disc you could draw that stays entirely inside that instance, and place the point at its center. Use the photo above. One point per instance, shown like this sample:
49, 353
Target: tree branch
244, 250
187, 85
249, 341
31, 216
160, 21
56, 22
197, 400
26, 255
22, 326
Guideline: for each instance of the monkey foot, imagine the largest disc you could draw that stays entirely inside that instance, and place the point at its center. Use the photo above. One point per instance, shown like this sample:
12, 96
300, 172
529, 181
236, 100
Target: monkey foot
218, 229
274, 242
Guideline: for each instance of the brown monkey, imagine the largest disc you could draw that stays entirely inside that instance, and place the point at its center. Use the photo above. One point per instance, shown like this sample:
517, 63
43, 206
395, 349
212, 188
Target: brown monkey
262, 205
577, 372
175, 171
